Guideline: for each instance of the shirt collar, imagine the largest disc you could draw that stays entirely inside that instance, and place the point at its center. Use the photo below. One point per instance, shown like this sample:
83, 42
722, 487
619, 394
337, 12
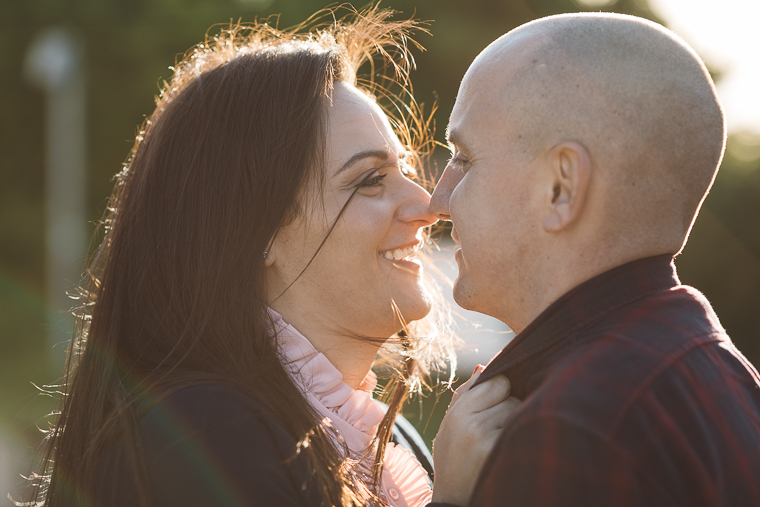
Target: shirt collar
581, 307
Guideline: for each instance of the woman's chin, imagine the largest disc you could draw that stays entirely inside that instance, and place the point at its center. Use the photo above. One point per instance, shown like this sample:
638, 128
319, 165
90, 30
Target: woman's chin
414, 306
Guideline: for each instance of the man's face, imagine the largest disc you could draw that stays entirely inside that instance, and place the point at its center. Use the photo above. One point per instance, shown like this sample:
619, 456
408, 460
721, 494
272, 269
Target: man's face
488, 191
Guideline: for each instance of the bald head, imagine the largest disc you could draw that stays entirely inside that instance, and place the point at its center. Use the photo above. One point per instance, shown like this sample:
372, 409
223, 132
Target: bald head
633, 94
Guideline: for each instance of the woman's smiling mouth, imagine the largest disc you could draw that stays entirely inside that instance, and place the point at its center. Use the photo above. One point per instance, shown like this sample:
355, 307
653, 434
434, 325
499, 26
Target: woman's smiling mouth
402, 254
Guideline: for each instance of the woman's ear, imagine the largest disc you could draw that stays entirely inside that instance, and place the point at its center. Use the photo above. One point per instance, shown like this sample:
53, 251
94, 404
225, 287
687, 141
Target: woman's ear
269, 255
570, 166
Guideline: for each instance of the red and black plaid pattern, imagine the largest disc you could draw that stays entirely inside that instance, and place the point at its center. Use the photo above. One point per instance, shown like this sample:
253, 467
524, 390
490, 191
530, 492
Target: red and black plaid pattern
634, 395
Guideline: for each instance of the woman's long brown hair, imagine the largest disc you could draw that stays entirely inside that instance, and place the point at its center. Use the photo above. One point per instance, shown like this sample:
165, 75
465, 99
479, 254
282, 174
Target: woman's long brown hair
176, 293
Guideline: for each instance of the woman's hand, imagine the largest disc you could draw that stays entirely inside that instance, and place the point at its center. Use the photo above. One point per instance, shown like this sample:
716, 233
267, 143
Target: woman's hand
467, 434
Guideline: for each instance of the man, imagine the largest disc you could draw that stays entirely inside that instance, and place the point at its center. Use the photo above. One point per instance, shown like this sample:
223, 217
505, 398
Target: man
583, 147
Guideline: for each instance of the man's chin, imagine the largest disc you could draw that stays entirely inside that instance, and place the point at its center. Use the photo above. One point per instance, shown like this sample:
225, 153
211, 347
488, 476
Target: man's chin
464, 295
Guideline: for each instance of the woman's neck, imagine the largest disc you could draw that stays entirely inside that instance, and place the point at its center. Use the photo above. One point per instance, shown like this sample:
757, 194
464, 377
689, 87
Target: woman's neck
351, 355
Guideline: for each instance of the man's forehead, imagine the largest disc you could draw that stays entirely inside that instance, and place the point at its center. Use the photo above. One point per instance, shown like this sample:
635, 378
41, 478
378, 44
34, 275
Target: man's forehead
481, 97
512, 49
475, 125
492, 72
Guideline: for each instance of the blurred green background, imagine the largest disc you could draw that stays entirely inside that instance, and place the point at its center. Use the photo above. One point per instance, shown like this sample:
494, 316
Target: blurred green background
129, 47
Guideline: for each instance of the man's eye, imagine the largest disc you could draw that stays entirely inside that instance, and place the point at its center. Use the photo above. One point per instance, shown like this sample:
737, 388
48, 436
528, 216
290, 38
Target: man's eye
459, 163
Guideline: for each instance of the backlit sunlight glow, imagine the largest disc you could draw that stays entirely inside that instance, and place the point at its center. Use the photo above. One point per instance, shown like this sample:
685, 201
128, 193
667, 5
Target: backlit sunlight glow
725, 34
595, 4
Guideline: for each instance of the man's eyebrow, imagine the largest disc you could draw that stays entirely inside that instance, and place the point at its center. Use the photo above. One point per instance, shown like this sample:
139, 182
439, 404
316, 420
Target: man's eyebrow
381, 154
454, 137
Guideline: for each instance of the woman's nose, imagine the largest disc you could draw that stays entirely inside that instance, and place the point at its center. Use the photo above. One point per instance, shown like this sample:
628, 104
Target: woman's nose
416, 206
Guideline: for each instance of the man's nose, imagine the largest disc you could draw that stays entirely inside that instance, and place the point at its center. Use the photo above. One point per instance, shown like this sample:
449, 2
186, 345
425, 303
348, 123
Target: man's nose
439, 201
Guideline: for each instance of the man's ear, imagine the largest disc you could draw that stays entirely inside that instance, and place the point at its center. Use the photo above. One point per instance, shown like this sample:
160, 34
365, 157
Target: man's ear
570, 166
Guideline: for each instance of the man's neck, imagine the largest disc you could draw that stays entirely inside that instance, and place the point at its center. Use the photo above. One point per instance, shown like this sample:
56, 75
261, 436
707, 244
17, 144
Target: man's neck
562, 277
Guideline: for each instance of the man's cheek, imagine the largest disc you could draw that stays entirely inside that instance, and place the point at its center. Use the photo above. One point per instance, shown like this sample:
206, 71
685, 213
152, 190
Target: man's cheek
459, 203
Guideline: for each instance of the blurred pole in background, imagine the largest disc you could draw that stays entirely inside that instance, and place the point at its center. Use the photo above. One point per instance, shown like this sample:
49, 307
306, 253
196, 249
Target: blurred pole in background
55, 63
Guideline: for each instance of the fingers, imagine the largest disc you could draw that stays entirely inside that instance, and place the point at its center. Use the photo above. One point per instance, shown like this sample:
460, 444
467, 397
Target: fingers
467, 436
512, 403
466, 386
486, 395
499, 413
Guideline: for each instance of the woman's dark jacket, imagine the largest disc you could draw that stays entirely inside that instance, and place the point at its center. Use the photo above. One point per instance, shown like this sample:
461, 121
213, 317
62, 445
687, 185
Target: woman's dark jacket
215, 446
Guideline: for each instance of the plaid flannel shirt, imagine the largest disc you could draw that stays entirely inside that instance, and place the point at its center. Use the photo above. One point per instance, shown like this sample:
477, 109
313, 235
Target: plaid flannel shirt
634, 395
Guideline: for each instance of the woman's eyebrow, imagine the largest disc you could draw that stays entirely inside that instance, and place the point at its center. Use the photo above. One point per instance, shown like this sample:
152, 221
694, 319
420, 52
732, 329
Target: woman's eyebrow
381, 154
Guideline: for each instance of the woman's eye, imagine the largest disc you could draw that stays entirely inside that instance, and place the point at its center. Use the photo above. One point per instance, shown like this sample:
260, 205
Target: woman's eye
375, 181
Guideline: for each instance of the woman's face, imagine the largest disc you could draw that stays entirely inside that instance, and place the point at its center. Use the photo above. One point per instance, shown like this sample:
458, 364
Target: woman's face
368, 261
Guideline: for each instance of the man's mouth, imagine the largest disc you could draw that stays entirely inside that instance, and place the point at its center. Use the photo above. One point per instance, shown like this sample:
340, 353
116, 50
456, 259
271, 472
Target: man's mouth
454, 233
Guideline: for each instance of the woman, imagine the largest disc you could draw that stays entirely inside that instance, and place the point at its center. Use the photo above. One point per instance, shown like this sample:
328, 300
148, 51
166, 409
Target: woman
259, 249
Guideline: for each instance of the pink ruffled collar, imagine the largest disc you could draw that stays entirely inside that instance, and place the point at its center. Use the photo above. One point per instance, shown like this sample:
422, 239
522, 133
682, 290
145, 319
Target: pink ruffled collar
353, 413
